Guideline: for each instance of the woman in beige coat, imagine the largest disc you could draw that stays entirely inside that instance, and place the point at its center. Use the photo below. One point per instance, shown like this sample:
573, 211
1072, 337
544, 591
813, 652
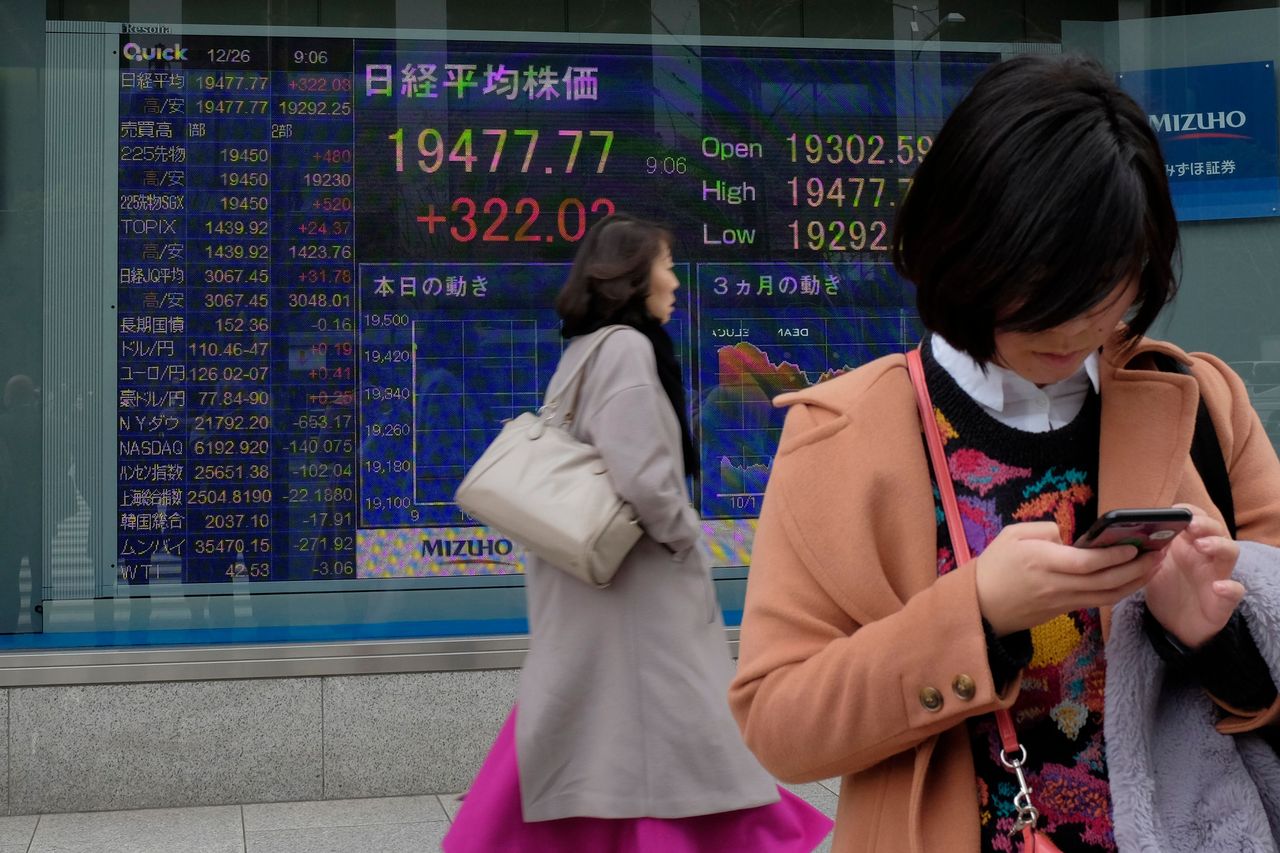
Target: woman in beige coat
622, 735
1040, 235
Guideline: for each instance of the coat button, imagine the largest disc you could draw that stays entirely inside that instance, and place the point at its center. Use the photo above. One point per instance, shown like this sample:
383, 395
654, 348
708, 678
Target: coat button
931, 698
964, 686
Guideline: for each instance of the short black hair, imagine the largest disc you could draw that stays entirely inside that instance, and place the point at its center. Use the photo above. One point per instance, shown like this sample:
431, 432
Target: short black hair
609, 280
1044, 189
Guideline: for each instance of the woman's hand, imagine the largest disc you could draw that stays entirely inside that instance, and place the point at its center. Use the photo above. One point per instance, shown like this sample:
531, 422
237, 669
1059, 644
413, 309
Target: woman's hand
1026, 576
1192, 595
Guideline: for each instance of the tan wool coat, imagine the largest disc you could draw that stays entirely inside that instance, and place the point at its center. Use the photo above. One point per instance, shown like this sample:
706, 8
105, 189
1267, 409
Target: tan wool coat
847, 621
622, 709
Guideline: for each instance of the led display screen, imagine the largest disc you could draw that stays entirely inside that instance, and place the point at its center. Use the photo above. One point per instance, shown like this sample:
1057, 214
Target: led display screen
337, 260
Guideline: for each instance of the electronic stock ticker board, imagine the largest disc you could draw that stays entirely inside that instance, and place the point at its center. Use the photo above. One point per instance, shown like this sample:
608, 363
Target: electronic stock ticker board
337, 260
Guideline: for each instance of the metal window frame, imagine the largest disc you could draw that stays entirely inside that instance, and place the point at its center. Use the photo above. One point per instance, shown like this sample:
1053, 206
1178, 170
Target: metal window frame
300, 660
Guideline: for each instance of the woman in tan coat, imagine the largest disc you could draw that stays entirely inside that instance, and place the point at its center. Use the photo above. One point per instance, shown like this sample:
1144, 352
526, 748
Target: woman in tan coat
1040, 235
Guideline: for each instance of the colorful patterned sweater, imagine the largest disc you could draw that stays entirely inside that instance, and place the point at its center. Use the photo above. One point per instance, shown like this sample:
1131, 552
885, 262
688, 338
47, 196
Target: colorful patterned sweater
1004, 475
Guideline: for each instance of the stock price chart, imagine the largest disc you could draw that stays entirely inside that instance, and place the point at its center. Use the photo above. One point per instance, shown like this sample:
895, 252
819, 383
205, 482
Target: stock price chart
337, 260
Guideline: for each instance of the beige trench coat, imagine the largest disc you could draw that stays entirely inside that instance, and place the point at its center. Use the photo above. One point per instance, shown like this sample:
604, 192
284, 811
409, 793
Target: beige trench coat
622, 709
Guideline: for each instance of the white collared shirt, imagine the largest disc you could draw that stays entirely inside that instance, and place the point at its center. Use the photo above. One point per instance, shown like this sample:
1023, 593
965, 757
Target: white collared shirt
1015, 401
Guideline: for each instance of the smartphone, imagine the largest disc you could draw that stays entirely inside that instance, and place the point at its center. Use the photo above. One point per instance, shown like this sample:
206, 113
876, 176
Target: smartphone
1147, 529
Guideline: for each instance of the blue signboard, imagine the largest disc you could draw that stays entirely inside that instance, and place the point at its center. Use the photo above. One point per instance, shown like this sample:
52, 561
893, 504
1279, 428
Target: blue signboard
1217, 129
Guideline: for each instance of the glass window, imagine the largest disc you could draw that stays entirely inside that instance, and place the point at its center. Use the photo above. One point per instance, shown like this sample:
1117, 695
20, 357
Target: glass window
276, 273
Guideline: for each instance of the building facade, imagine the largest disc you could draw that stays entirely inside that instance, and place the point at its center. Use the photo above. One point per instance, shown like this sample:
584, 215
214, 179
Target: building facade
276, 273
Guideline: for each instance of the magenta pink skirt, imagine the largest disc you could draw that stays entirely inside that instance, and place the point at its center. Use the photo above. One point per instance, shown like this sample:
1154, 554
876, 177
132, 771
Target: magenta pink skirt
490, 821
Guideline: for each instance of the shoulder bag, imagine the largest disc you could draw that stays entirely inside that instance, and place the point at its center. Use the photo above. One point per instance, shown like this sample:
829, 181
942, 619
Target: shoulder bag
549, 491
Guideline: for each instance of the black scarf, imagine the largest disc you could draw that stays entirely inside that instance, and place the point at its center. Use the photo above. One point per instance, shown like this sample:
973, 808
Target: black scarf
664, 352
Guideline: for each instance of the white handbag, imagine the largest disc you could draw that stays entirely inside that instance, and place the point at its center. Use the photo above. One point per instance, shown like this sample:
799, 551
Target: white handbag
549, 491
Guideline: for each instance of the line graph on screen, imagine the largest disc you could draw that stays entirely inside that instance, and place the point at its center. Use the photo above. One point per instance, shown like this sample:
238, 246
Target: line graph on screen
757, 358
469, 376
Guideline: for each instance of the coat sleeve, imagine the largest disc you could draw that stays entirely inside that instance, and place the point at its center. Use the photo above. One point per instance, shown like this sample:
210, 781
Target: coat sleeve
1251, 459
629, 424
1254, 472
821, 688
1257, 570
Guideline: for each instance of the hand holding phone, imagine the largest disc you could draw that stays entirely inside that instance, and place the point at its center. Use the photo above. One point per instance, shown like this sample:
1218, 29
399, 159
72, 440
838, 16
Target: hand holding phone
1146, 529
1027, 575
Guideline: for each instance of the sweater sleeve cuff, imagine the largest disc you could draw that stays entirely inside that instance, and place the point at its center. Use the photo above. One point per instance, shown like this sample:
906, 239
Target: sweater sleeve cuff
1229, 666
1007, 656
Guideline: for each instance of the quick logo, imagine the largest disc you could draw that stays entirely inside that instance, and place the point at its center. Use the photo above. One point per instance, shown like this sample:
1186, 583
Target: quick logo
135, 52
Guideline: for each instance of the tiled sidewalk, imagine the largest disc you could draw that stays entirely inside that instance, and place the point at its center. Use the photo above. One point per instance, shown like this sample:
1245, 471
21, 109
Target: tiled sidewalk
392, 825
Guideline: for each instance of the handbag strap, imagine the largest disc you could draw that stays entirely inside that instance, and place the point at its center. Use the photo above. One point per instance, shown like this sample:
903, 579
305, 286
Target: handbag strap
1014, 754
946, 488
574, 382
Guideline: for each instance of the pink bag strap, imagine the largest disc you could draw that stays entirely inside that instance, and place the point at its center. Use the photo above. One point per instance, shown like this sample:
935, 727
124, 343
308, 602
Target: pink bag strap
946, 489
950, 506
1014, 754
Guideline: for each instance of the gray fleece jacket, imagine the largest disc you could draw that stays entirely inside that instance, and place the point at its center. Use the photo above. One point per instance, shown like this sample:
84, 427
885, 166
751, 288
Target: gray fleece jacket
1177, 785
